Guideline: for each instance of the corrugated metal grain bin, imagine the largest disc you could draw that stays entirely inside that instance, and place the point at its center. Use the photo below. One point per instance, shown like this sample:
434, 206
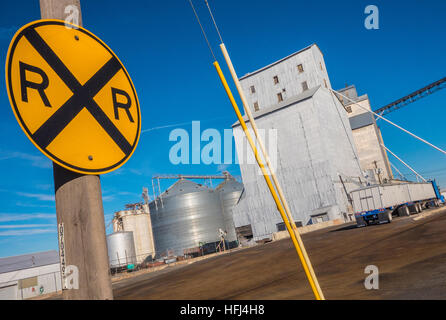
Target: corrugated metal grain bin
137, 221
121, 249
189, 215
230, 191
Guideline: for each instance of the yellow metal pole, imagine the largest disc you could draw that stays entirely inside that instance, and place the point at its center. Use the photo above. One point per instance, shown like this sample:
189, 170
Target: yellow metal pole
254, 128
268, 163
268, 182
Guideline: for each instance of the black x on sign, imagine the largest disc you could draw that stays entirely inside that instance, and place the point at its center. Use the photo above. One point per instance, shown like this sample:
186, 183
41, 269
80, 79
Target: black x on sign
72, 97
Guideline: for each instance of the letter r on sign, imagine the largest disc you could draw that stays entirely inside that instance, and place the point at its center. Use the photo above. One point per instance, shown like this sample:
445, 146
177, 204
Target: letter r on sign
40, 87
126, 106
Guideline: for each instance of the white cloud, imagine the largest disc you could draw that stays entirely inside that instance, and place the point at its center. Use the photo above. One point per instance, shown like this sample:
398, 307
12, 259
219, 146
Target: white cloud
136, 171
46, 186
8, 217
108, 198
36, 161
124, 193
116, 172
39, 196
25, 226
25, 232
180, 124
166, 126
31, 205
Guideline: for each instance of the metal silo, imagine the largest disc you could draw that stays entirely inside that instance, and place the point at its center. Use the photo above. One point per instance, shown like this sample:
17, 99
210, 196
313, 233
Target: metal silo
121, 249
230, 191
138, 221
186, 215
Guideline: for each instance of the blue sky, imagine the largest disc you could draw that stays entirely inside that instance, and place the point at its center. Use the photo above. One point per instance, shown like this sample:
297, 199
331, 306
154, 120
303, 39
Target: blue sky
161, 46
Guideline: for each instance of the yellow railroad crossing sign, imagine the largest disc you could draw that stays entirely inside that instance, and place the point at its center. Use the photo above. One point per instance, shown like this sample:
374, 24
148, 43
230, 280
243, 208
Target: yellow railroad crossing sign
72, 96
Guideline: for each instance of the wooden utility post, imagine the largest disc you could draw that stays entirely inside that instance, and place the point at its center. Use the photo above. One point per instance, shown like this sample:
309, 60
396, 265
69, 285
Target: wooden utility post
79, 210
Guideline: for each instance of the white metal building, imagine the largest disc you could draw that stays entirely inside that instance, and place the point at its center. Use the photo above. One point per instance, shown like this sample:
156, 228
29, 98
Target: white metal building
317, 163
29, 275
285, 78
367, 135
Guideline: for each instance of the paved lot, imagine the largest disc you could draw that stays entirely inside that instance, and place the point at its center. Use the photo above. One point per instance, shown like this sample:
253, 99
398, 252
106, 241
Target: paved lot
410, 255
